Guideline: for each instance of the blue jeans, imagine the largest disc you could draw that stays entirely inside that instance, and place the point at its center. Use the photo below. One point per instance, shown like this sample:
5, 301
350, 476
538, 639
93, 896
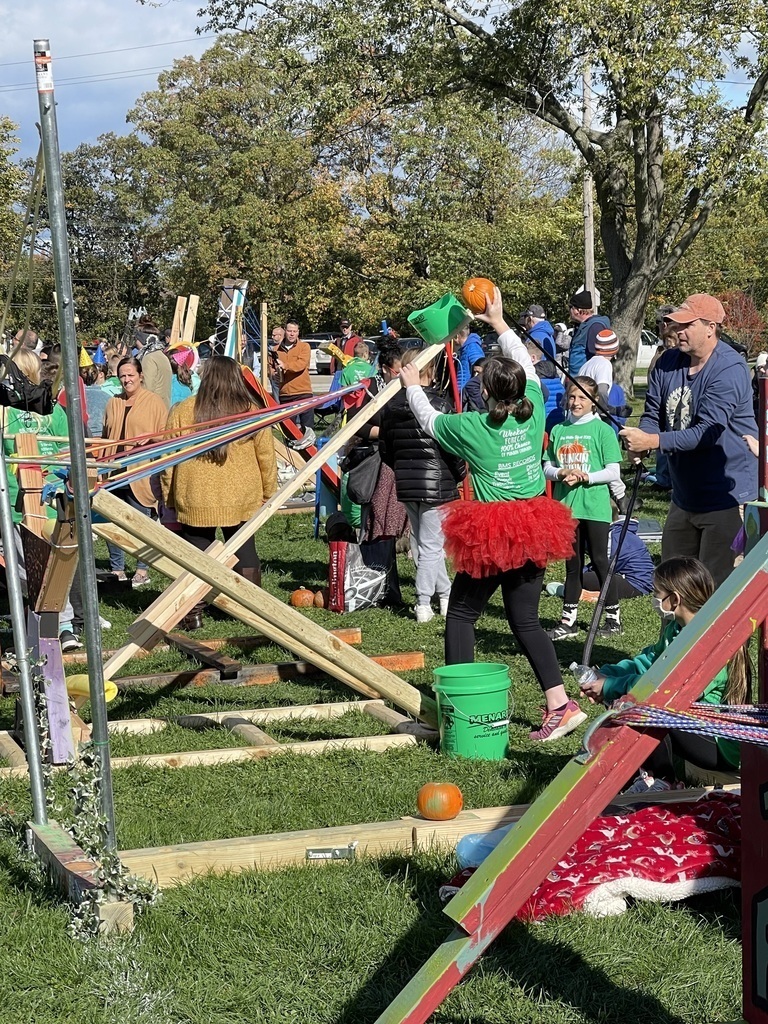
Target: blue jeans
116, 554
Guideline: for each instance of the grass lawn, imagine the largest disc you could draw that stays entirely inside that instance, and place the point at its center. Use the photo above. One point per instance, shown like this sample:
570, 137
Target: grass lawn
336, 944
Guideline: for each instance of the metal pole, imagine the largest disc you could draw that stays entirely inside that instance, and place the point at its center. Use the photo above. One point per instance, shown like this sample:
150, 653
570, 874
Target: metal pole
69, 360
16, 603
589, 210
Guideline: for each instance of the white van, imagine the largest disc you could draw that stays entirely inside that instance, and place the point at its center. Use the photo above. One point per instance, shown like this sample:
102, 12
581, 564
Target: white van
646, 350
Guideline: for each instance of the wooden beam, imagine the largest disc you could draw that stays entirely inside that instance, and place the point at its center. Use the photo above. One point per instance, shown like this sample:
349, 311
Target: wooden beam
229, 755
190, 320
139, 726
11, 752
227, 667
75, 874
30, 479
290, 713
286, 625
172, 865
178, 319
61, 566
252, 734
188, 589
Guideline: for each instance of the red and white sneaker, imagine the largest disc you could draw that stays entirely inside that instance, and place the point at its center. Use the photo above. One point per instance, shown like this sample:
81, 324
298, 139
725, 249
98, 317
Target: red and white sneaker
559, 723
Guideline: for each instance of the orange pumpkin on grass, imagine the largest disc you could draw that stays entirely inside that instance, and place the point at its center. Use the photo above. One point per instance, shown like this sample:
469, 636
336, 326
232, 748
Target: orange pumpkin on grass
439, 801
477, 293
302, 598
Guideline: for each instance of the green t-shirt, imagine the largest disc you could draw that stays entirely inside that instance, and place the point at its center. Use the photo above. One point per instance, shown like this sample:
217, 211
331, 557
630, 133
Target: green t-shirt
354, 372
505, 461
588, 447
18, 421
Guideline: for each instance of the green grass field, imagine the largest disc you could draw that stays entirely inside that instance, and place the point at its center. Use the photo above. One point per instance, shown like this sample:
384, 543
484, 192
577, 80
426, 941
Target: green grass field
336, 944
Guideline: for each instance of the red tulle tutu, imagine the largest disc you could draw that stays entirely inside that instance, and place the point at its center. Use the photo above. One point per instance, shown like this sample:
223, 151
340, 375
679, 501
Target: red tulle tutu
484, 538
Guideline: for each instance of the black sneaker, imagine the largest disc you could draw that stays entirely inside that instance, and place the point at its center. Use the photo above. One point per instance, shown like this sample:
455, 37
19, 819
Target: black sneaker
611, 628
563, 631
68, 641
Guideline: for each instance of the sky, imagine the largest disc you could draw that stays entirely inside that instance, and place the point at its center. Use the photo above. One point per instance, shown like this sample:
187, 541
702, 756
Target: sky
103, 86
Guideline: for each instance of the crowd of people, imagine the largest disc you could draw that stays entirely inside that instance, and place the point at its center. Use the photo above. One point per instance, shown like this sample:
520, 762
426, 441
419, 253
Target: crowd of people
539, 441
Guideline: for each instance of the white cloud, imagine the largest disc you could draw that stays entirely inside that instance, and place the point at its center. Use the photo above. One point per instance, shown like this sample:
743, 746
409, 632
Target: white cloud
86, 109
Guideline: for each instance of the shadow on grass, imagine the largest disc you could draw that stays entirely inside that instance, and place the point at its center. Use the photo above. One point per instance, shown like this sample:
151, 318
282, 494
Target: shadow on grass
546, 970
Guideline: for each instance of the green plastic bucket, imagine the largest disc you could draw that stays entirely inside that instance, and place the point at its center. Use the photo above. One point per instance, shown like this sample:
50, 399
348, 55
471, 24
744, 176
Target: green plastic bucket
439, 321
472, 710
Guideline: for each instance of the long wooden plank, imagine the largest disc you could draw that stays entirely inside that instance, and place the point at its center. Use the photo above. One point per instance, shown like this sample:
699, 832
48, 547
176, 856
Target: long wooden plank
290, 713
178, 319
351, 635
229, 755
252, 734
190, 320
31, 484
227, 667
300, 634
61, 566
189, 585
172, 865
11, 752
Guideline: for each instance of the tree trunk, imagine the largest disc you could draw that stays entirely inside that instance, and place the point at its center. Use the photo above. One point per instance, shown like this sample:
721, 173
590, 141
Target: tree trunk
627, 319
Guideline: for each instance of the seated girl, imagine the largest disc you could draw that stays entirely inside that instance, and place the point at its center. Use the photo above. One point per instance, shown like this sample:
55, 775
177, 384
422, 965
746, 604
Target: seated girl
681, 587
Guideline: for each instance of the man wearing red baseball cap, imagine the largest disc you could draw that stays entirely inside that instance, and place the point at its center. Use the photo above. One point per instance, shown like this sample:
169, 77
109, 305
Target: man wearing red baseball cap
698, 407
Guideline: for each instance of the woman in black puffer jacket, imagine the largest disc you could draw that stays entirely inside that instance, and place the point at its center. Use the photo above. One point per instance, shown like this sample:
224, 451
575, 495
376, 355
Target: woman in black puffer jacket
426, 478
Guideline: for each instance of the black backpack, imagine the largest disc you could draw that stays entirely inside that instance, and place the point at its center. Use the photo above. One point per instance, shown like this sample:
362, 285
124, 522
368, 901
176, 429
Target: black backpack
18, 391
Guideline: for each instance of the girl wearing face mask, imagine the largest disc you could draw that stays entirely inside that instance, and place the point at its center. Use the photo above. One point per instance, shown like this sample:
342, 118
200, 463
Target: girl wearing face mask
681, 586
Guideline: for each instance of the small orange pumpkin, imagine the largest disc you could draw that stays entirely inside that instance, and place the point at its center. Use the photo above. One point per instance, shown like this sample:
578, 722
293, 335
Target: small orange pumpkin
477, 293
302, 598
439, 801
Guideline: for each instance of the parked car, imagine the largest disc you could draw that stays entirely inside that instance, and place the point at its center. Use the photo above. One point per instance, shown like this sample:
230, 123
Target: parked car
321, 361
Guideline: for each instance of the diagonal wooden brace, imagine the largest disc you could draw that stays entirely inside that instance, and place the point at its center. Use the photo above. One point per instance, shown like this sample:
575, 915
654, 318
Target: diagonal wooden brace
298, 634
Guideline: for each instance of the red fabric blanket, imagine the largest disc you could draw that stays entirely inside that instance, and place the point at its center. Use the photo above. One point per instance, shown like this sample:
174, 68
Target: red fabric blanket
659, 852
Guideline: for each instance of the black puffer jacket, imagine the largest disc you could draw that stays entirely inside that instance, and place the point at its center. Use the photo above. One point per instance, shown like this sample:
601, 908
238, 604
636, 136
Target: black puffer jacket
423, 471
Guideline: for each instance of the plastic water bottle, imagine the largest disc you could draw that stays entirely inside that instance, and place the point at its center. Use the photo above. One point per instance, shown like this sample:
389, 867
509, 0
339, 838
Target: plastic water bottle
583, 673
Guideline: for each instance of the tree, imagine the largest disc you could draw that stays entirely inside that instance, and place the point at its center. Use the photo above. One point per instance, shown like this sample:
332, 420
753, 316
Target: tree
659, 74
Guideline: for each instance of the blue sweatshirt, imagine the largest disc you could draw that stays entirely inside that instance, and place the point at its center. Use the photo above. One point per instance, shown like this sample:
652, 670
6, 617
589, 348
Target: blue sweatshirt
700, 421
634, 562
544, 333
468, 354
583, 342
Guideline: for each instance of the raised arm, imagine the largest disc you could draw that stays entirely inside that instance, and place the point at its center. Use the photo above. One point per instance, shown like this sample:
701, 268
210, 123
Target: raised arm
509, 341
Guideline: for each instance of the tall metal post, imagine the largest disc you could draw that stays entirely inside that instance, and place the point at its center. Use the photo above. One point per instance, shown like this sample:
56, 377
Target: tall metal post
589, 207
16, 603
69, 360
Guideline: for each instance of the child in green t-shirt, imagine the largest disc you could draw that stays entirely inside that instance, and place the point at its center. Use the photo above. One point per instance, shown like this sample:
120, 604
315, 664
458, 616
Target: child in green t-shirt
583, 458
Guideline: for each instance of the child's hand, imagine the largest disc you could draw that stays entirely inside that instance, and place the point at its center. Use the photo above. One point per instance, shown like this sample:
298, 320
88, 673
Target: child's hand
593, 690
494, 313
572, 477
409, 375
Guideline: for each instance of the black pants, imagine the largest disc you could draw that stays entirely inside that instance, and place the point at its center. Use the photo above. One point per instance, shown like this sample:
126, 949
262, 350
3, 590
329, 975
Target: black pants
591, 537
303, 419
624, 589
701, 751
202, 536
521, 590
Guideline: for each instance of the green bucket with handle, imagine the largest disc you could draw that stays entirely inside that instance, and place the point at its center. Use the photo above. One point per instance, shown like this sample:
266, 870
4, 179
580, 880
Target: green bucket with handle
472, 710
438, 322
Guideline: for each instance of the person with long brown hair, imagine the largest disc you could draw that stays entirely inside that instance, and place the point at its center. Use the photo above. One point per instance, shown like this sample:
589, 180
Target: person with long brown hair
226, 486
682, 586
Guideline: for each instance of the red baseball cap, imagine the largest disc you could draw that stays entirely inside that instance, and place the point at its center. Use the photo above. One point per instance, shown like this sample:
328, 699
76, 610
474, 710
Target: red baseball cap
698, 307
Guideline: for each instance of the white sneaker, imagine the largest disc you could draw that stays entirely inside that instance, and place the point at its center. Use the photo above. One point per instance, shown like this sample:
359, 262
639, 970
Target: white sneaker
444, 605
423, 613
104, 623
555, 589
308, 439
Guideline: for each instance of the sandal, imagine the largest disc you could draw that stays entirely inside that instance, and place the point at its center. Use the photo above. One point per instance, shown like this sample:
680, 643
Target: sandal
140, 578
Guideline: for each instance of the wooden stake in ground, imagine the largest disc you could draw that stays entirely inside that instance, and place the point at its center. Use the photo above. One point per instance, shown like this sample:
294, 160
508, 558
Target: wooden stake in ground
296, 632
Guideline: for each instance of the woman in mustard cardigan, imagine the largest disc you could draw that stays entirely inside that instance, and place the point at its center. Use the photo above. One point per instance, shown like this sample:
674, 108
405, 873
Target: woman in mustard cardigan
225, 487
134, 413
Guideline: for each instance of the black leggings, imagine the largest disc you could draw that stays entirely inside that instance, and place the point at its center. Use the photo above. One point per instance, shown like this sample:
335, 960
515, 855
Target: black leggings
624, 589
701, 751
303, 419
593, 537
202, 536
521, 590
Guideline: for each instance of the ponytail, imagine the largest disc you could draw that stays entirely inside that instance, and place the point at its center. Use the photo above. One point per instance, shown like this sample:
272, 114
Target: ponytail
505, 382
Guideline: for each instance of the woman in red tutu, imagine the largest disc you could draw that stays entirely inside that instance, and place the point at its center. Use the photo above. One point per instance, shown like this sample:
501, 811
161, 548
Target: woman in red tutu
506, 537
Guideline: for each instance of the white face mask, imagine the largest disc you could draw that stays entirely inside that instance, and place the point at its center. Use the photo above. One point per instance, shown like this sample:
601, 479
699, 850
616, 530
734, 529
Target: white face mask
665, 615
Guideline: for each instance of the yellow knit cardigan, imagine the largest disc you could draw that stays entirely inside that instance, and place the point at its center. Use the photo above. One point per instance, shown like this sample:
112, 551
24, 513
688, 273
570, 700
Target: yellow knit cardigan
204, 494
